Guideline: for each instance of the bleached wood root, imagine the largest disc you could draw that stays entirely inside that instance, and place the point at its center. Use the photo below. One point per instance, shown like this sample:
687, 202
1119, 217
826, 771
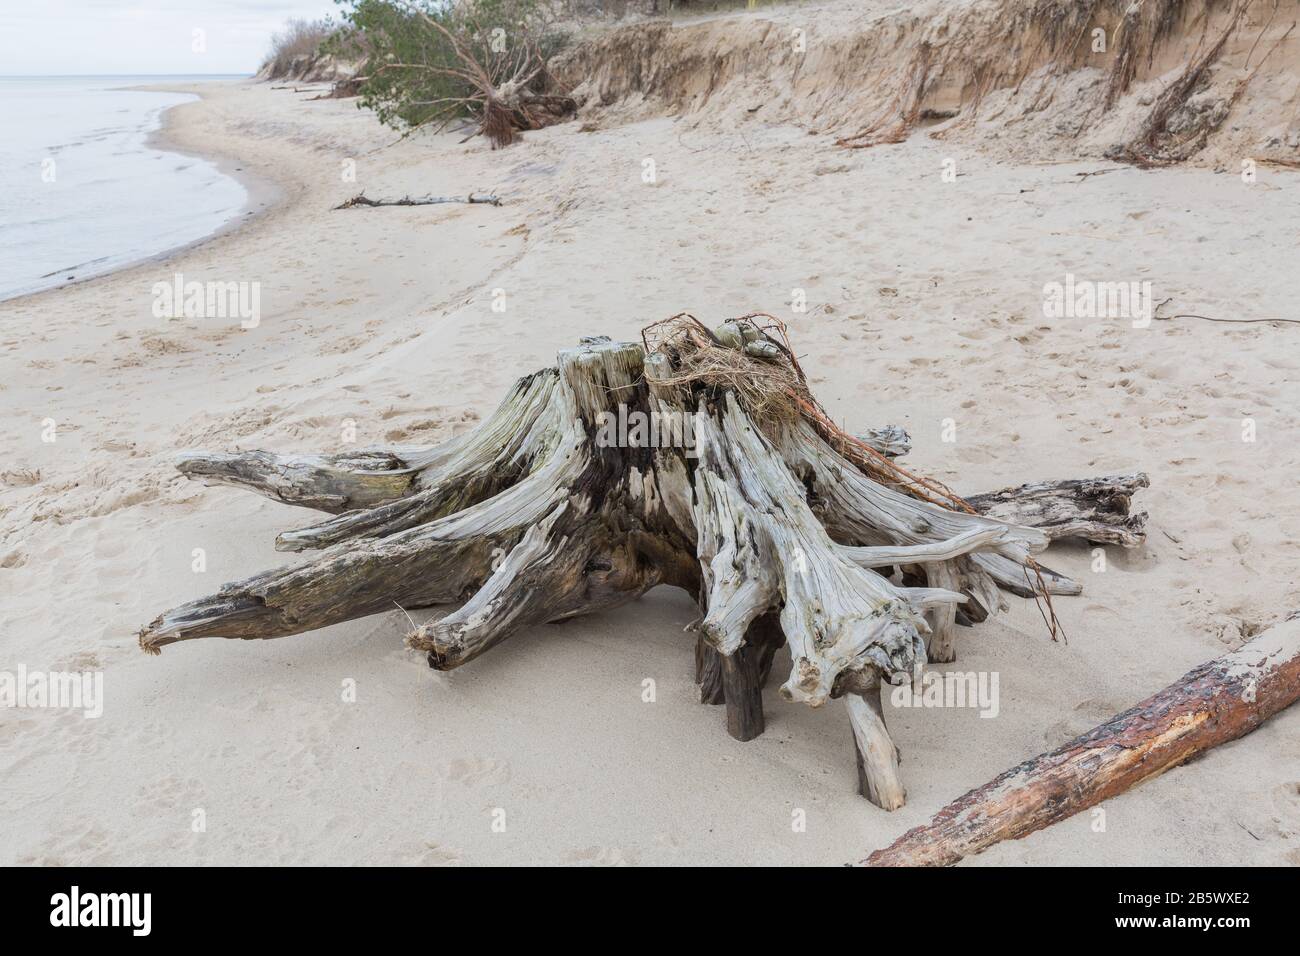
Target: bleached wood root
545, 511
360, 479
860, 512
937, 552
569, 564
439, 563
1212, 704
445, 478
1095, 509
520, 435
752, 515
1017, 579
877, 757
943, 619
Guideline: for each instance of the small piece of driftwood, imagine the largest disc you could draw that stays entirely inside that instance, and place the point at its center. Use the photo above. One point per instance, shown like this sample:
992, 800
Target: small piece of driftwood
360, 199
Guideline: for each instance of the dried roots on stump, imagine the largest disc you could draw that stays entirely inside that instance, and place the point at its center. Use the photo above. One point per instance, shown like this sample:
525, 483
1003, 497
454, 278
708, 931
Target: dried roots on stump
697, 459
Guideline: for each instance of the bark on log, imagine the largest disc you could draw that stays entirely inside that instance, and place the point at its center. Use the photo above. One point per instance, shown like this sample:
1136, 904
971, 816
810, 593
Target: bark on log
539, 515
1212, 704
766, 634
708, 673
742, 691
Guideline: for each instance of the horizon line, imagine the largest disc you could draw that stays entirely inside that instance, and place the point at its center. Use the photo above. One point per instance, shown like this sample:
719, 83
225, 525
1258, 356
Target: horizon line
63, 76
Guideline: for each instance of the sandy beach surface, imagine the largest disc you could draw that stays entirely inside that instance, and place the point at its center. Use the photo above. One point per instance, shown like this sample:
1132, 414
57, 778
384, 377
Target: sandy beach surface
925, 305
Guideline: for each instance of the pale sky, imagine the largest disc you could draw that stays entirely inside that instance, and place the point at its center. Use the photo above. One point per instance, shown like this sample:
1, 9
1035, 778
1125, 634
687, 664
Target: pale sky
62, 37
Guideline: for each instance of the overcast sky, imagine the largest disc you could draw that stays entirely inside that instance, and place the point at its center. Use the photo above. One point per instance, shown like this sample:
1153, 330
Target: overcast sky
60, 37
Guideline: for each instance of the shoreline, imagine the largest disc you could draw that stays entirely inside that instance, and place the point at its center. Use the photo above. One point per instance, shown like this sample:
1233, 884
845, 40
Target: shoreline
263, 194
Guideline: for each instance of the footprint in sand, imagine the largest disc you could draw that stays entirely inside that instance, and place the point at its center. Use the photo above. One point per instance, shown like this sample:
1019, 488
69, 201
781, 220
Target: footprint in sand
1286, 797
477, 771
601, 856
435, 855
83, 846
974, 454
170, 796
1084, 717
80, 661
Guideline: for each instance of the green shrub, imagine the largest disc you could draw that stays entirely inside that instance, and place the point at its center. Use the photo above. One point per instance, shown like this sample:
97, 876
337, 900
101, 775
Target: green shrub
427, 61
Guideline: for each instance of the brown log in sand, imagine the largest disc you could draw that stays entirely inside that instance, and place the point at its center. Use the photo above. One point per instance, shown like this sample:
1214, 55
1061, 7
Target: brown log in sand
1212, 704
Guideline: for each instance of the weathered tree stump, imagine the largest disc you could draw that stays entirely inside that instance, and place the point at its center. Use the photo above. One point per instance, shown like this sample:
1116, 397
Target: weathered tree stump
611, 474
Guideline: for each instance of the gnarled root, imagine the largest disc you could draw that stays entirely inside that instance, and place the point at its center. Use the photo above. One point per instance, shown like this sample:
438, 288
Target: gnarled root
570, 563
762, 548
335, 483
1095, 509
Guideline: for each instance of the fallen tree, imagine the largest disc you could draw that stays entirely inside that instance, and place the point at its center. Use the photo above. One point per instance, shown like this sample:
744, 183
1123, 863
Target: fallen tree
1212, 704
696, 458
427, 62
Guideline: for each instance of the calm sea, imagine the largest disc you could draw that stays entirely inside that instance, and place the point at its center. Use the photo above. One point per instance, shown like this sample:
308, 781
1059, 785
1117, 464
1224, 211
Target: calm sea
82, 192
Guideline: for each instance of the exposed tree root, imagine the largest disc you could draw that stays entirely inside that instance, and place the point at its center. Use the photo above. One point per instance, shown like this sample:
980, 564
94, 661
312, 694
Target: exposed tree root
1163, 142
1095, 509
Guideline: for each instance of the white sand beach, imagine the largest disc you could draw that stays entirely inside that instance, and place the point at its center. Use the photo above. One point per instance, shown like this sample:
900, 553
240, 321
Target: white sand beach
924, 305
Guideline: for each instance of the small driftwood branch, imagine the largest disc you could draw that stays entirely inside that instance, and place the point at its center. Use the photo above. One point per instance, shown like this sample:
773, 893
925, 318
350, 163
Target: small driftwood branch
1212, 704
360, 199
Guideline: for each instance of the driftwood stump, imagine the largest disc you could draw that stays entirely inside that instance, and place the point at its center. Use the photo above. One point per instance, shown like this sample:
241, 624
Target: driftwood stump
606, 476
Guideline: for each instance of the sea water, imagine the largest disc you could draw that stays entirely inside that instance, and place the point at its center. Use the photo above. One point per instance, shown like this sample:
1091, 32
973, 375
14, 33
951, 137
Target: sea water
82, 190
